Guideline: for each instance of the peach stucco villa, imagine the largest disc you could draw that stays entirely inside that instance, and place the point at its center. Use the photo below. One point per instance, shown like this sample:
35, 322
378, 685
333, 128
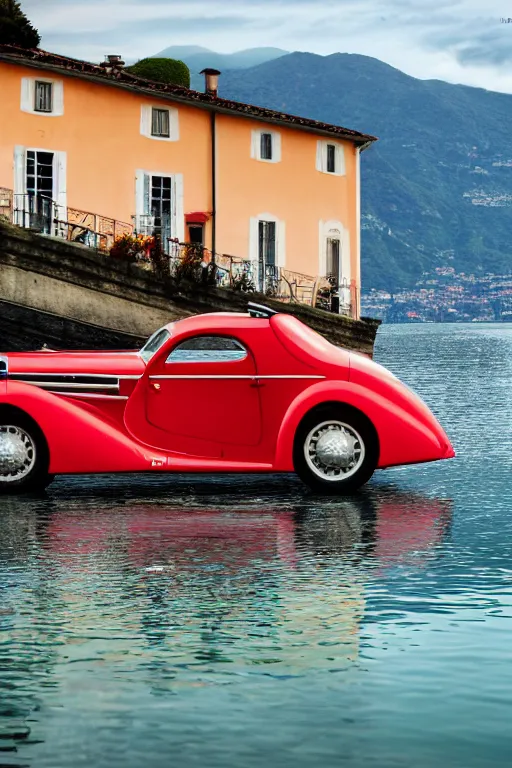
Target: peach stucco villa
251, 182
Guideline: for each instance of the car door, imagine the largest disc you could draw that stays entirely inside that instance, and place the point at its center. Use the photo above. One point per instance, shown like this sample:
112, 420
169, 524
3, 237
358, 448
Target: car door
204, 394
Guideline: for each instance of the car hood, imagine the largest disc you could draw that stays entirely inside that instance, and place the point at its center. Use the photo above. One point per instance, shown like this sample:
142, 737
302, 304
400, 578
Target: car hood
47, 362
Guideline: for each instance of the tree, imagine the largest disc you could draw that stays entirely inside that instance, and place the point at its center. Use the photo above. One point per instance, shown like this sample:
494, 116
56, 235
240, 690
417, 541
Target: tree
170, 71
15, 28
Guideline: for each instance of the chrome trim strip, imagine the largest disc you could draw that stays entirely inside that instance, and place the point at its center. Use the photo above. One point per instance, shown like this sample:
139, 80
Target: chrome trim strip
90, 395
252, 377
77, 375
55, 385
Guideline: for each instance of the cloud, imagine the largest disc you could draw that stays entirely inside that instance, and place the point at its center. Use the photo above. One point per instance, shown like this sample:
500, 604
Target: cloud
456, 40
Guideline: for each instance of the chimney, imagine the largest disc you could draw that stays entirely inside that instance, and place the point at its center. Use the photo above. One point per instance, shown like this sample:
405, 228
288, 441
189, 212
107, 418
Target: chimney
211, 80
112, 64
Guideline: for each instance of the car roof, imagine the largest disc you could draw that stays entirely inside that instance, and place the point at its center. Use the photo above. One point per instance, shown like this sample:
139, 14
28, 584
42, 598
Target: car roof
218, 321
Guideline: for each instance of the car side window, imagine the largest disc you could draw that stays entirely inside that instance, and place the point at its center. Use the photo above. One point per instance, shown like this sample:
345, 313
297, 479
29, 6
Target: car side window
208, 349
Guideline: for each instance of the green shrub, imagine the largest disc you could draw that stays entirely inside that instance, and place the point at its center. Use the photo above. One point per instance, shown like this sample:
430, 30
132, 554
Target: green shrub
170, 71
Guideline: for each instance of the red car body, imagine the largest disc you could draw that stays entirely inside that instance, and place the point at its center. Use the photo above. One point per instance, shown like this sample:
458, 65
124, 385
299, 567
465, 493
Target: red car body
107, 412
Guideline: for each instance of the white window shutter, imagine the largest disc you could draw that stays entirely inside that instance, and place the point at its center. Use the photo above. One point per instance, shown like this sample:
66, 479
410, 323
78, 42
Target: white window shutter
276, 147
20, 184
146, 116
20, 179
178, 228
340, 160
281, 244
27, 94
320, 155
146, 206
60, 191
141, 198
174, 124
58, 98
256, 145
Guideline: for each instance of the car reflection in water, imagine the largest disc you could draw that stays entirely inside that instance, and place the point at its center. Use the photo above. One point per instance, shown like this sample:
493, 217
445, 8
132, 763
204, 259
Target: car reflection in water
282, 584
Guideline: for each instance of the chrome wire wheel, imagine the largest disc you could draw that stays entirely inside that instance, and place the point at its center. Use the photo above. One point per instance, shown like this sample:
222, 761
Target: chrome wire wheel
334, 451
18, 454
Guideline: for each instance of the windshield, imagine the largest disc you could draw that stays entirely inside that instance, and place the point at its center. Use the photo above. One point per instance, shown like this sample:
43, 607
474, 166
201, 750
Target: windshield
154, 343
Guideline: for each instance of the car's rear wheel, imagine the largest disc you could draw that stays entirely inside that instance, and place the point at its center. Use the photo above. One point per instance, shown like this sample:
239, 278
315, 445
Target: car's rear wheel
336, 449
24, 457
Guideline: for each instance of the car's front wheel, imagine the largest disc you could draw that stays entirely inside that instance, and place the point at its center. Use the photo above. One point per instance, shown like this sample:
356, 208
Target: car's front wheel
336, 449
24, 457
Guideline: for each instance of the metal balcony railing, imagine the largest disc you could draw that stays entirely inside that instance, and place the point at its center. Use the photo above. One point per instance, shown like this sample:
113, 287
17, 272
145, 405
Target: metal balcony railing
35, 212
43, 215
195, 262
149, 225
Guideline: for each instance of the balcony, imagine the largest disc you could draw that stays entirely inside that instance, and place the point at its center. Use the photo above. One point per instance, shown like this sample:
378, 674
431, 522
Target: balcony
193, 262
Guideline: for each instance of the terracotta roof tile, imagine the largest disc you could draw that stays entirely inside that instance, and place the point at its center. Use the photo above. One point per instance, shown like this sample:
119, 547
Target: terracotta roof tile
122, 78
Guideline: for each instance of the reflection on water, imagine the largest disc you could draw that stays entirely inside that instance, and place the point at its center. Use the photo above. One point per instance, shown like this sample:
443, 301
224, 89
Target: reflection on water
98, 594
243, 621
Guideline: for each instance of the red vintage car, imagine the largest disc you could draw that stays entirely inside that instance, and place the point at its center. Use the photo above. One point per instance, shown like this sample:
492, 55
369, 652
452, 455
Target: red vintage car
220, 392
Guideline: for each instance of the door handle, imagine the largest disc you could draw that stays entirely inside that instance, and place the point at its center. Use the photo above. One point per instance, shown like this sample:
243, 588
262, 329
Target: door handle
156, 386
256, 382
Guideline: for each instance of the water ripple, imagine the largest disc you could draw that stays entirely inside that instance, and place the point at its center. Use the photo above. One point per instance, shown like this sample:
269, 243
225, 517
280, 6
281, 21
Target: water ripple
242, 621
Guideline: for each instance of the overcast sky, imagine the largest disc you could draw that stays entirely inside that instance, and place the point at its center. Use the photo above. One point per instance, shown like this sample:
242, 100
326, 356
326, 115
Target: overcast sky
461, 41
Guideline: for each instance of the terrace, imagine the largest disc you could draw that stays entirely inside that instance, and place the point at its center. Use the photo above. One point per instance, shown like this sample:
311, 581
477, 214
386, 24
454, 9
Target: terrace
197, 263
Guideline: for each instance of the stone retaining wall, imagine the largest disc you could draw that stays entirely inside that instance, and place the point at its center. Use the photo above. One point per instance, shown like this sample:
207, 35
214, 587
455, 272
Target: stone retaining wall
69, 295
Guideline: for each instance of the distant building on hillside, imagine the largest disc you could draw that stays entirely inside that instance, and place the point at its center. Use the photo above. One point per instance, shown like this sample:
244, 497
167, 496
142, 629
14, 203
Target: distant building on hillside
280, 190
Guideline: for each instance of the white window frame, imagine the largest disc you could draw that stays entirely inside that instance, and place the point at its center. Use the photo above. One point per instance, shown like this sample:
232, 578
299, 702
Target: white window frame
339, 158
256, 145
177, 200
146, 122
335, 230
28, 96
59, 194
254, 239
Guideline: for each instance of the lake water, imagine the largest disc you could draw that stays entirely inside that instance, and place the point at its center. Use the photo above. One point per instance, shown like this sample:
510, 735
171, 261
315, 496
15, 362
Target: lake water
245, 622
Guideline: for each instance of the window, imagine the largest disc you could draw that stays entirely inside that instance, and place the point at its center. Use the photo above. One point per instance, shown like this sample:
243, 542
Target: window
266, 146
267, 272
333, 259
267, 243
40, 199
43, 97
267, 250
330, 158
160, 202
208, 349
159, 205
154, 343
196, 234
160, 123
40, 173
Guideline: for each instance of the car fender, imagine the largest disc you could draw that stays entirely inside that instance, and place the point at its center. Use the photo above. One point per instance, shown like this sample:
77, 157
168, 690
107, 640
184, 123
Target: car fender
403, 438
79, 441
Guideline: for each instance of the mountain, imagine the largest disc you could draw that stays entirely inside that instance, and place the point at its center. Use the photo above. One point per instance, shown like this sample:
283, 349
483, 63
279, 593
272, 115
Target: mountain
197, 58
437, 186
182, 51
